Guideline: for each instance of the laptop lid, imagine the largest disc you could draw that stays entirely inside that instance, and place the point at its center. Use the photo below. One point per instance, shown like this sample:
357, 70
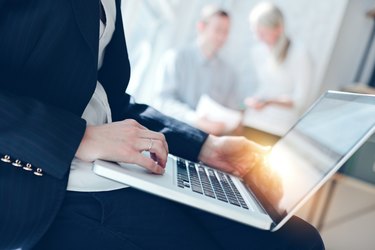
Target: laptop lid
312, 151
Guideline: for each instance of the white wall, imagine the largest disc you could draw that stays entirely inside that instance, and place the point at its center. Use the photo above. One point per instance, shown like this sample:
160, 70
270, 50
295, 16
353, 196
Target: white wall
350, 46
152, 26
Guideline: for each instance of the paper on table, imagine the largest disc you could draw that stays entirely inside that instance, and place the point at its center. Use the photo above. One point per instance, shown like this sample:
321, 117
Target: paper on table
214, 111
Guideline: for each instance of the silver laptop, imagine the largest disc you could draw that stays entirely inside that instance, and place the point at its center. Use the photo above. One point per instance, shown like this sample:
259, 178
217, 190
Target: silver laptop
298, 165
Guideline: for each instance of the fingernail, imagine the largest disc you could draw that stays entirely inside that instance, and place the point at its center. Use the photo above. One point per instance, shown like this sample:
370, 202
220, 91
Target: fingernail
162, 170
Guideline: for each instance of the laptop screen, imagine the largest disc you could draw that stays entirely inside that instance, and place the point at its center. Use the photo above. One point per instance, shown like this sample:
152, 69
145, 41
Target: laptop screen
318, 144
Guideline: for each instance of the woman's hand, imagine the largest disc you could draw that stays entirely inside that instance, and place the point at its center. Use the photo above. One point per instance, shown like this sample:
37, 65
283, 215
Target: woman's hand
233, 154
125, 141
261, 103
256, 103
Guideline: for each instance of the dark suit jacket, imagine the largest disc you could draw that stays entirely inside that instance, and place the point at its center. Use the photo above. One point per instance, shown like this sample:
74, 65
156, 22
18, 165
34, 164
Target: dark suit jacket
48, 65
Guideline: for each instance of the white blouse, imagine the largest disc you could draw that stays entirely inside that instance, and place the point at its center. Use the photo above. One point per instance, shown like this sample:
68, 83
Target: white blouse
97, 112
293, 78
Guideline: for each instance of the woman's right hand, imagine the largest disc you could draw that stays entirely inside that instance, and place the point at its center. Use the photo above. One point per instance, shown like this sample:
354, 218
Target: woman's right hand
124, 141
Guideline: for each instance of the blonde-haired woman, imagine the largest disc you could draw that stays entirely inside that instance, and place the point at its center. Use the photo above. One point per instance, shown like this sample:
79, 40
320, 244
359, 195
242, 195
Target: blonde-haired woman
284, 74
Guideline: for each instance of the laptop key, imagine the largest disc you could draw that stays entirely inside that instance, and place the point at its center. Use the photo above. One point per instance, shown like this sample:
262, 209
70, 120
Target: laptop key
208, 182
180, 183
237, 193
194, 179
228, 190
207, 189
216, 186
182, 171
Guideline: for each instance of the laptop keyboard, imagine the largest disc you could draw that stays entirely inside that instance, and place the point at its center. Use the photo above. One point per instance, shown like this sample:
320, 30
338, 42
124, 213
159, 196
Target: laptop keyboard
208, 182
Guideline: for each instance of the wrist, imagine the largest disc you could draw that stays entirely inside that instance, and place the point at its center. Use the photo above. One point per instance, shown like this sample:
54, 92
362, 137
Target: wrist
87, 151
208, 149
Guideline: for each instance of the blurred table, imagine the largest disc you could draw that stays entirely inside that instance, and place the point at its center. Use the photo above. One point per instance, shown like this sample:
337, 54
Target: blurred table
256, 135
359, 88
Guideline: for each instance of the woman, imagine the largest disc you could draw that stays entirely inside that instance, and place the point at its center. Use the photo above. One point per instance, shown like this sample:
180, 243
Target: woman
284, 74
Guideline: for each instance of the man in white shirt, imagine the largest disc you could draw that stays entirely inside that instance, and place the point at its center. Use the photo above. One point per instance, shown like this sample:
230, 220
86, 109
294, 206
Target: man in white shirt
197, 69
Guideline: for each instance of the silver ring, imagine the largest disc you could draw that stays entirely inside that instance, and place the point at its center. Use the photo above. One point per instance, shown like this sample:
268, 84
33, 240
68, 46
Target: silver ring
150, 144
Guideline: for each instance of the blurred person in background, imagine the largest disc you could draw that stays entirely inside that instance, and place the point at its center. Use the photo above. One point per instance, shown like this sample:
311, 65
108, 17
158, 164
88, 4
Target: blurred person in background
284, 74
197, 69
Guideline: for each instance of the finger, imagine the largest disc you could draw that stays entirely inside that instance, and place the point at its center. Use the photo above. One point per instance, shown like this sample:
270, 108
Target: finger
148, 134
158, 153
156, 149
155, 158
149, 164
143, 132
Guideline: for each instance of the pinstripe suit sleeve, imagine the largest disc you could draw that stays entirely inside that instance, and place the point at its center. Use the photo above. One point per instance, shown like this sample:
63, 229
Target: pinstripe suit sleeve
42, 135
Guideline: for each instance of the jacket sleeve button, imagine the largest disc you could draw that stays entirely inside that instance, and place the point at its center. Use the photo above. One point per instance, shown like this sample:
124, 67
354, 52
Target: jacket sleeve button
28, 167
17, 163
38, 172
5, 158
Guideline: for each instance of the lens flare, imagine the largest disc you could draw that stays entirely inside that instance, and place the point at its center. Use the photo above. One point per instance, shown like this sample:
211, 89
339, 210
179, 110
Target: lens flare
281, 162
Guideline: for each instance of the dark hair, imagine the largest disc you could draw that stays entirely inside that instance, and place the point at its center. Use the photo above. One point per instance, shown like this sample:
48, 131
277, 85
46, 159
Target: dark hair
210, 11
